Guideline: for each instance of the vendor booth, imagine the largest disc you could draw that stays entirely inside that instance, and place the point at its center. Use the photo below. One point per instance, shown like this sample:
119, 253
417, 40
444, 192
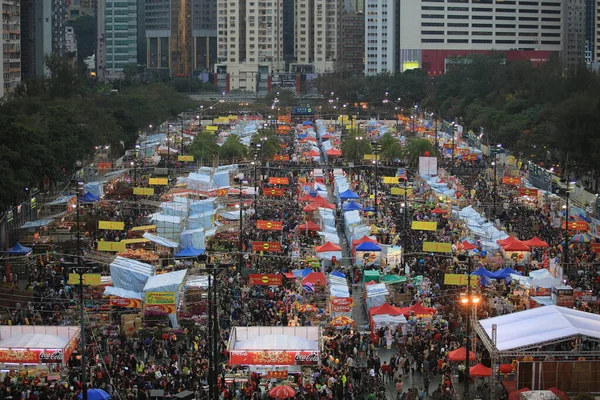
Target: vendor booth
37, 345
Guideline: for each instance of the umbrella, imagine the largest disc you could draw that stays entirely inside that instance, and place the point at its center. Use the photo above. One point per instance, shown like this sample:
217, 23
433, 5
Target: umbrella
341, 321
305, 308
282, 392
581, 238
95, 394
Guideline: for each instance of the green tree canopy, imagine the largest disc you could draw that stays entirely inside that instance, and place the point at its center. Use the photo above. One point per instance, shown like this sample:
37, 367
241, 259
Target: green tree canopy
204, 147
416, 148
233, 149
355, 145
391, 148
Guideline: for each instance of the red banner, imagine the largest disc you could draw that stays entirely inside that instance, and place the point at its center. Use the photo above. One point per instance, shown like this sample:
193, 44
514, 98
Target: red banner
265, 279
509, 180
576, 226
26, 356
273, 192
291, 357
596, 247
528, 192
269, 225
277, 374
123, 302
271, 247
281, 157
469, 157
342, 301
279, 181
160, 308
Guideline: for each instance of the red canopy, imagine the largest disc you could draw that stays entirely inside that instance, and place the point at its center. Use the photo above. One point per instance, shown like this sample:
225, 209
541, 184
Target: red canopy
319, 200
306, 197
315, 279
310, 226
480, 370
328, 247
311, 153
418, 309
326, 136
311, 207
506, 241
289, 275
467, 246
535, 242
516, 245
439, 211
362, 240
385, 309
460, 354
334, 153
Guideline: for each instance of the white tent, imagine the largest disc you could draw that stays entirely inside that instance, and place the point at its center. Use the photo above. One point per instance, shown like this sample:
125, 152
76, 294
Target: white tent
130, 274
388, 320
534, 327
169, 282
160, 240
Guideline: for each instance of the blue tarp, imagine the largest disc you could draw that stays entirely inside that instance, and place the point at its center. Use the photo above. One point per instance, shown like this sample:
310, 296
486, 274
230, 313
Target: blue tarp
307, 122
483, 273
301, 273
89, 198
338, 274
505, 273
352, 206
348, 194
189, 252
36, 224
368, 246
19, 250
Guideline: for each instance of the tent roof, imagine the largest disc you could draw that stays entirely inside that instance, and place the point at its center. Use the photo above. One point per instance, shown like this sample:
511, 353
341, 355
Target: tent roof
534, 327
362, 240
168, 282
516, 245
19, 250
334, 152
328, 247
368, 246
535, 242
504, 242
189, 252
348, 194
34, 341
385, 309
467, 246
419, 309
315, 278
480, 370
160, 240
460, 354
311, 226
352, 206
483, 272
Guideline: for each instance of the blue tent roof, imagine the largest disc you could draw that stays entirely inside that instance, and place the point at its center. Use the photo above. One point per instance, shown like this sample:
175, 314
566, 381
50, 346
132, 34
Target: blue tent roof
483, 273
485, 281
368, 246
189, 252
301, 273
19, 250
505, 273
348, 194
352, 206
369, 209
89, 198
338, 274
307, 122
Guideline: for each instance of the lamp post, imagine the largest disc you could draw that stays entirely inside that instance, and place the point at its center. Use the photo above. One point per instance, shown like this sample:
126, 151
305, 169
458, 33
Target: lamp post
469, 301
495, 191
213, 329
169, 140
566, 246
80, 271
405, 209
181, 136
376, 150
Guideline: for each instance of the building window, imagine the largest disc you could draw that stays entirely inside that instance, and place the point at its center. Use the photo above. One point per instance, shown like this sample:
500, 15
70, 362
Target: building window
427, 40
475, 41
458, 40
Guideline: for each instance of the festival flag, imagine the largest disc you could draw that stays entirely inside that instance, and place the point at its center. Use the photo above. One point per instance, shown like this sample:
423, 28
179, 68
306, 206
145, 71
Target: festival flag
269, 225
509, 180
279, 181
273, 192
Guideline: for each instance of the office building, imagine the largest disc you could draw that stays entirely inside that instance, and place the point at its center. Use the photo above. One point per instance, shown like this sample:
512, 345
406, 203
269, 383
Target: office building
250, 44
117, 38
70, 41
318, 36
353, 39
204, 34
288, 32
431, 33
11, 46
574, 33
380, 37
80, 8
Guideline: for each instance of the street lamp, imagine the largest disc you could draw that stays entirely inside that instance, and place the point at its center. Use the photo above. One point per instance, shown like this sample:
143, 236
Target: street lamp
470, 302
376, 150
495, 164
566, 233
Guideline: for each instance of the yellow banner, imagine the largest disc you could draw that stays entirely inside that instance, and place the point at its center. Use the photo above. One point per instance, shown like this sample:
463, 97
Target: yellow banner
112, 225
370, 157
212, 128
88, 279
391, 179
143, 191
185, 158
160, 298
396, 191
144, 228
437, 247
424, 226
135, 241
158, 181
460, 279
111, 246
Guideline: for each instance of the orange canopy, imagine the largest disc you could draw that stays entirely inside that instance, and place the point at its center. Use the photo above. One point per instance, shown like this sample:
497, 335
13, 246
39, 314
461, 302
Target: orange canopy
309, 226
328, 247
460, 354
385, 309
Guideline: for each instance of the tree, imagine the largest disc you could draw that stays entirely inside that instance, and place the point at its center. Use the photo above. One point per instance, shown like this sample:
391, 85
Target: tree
269, 143
416, 148
232, 149
204, 147
391, 148
355, 145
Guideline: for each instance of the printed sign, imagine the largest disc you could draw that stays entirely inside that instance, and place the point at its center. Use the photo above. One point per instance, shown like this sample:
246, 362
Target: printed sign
269, 225
160, 308
460, 279
528, 192
111, 225
160, 298
391, 179
509, 180
273, 357
281, 157
370, 157
273, 192
158, 181
341, 304
279, 181
423, 226
271, 247
143, 191
437, 247
27, 356
396, 191
265, 279
576, 226
469, 157
277, 374
185, 158
88, 279
111, 246
125, 303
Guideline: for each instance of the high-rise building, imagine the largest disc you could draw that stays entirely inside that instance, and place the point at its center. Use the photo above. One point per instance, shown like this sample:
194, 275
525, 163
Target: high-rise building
288, 32
11, 46
250, 43
71, 41
204, 34
590, 31
431, 34
318, 36
43, 32
574, 33
353, 39
380, 37
169, 35
117, 37
80, 8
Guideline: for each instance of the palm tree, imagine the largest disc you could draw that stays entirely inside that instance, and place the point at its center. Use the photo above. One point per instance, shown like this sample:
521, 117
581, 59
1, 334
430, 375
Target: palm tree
391, 148
269, 141
416, 148
204, 147
355, 145
233, 149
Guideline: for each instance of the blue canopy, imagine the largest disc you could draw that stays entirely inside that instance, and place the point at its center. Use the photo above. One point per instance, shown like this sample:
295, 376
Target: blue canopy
485, 281
307, 122
89, 198
338, 274
369, 209
302, 136
301, 273
95, 394
19, 250
368, 246
505, 273
483, 273
352, 206
189, 252
348, 194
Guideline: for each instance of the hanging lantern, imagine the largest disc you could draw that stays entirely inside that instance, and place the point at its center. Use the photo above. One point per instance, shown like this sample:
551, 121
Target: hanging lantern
506, 368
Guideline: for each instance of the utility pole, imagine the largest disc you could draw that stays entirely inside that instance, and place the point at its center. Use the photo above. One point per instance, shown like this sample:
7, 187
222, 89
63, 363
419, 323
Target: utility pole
567, 239
81, 271
468, 346
405, 235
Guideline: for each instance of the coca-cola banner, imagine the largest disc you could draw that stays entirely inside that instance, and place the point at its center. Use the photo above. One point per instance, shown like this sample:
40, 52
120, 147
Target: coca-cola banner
342, 301
24, 356
277, 357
